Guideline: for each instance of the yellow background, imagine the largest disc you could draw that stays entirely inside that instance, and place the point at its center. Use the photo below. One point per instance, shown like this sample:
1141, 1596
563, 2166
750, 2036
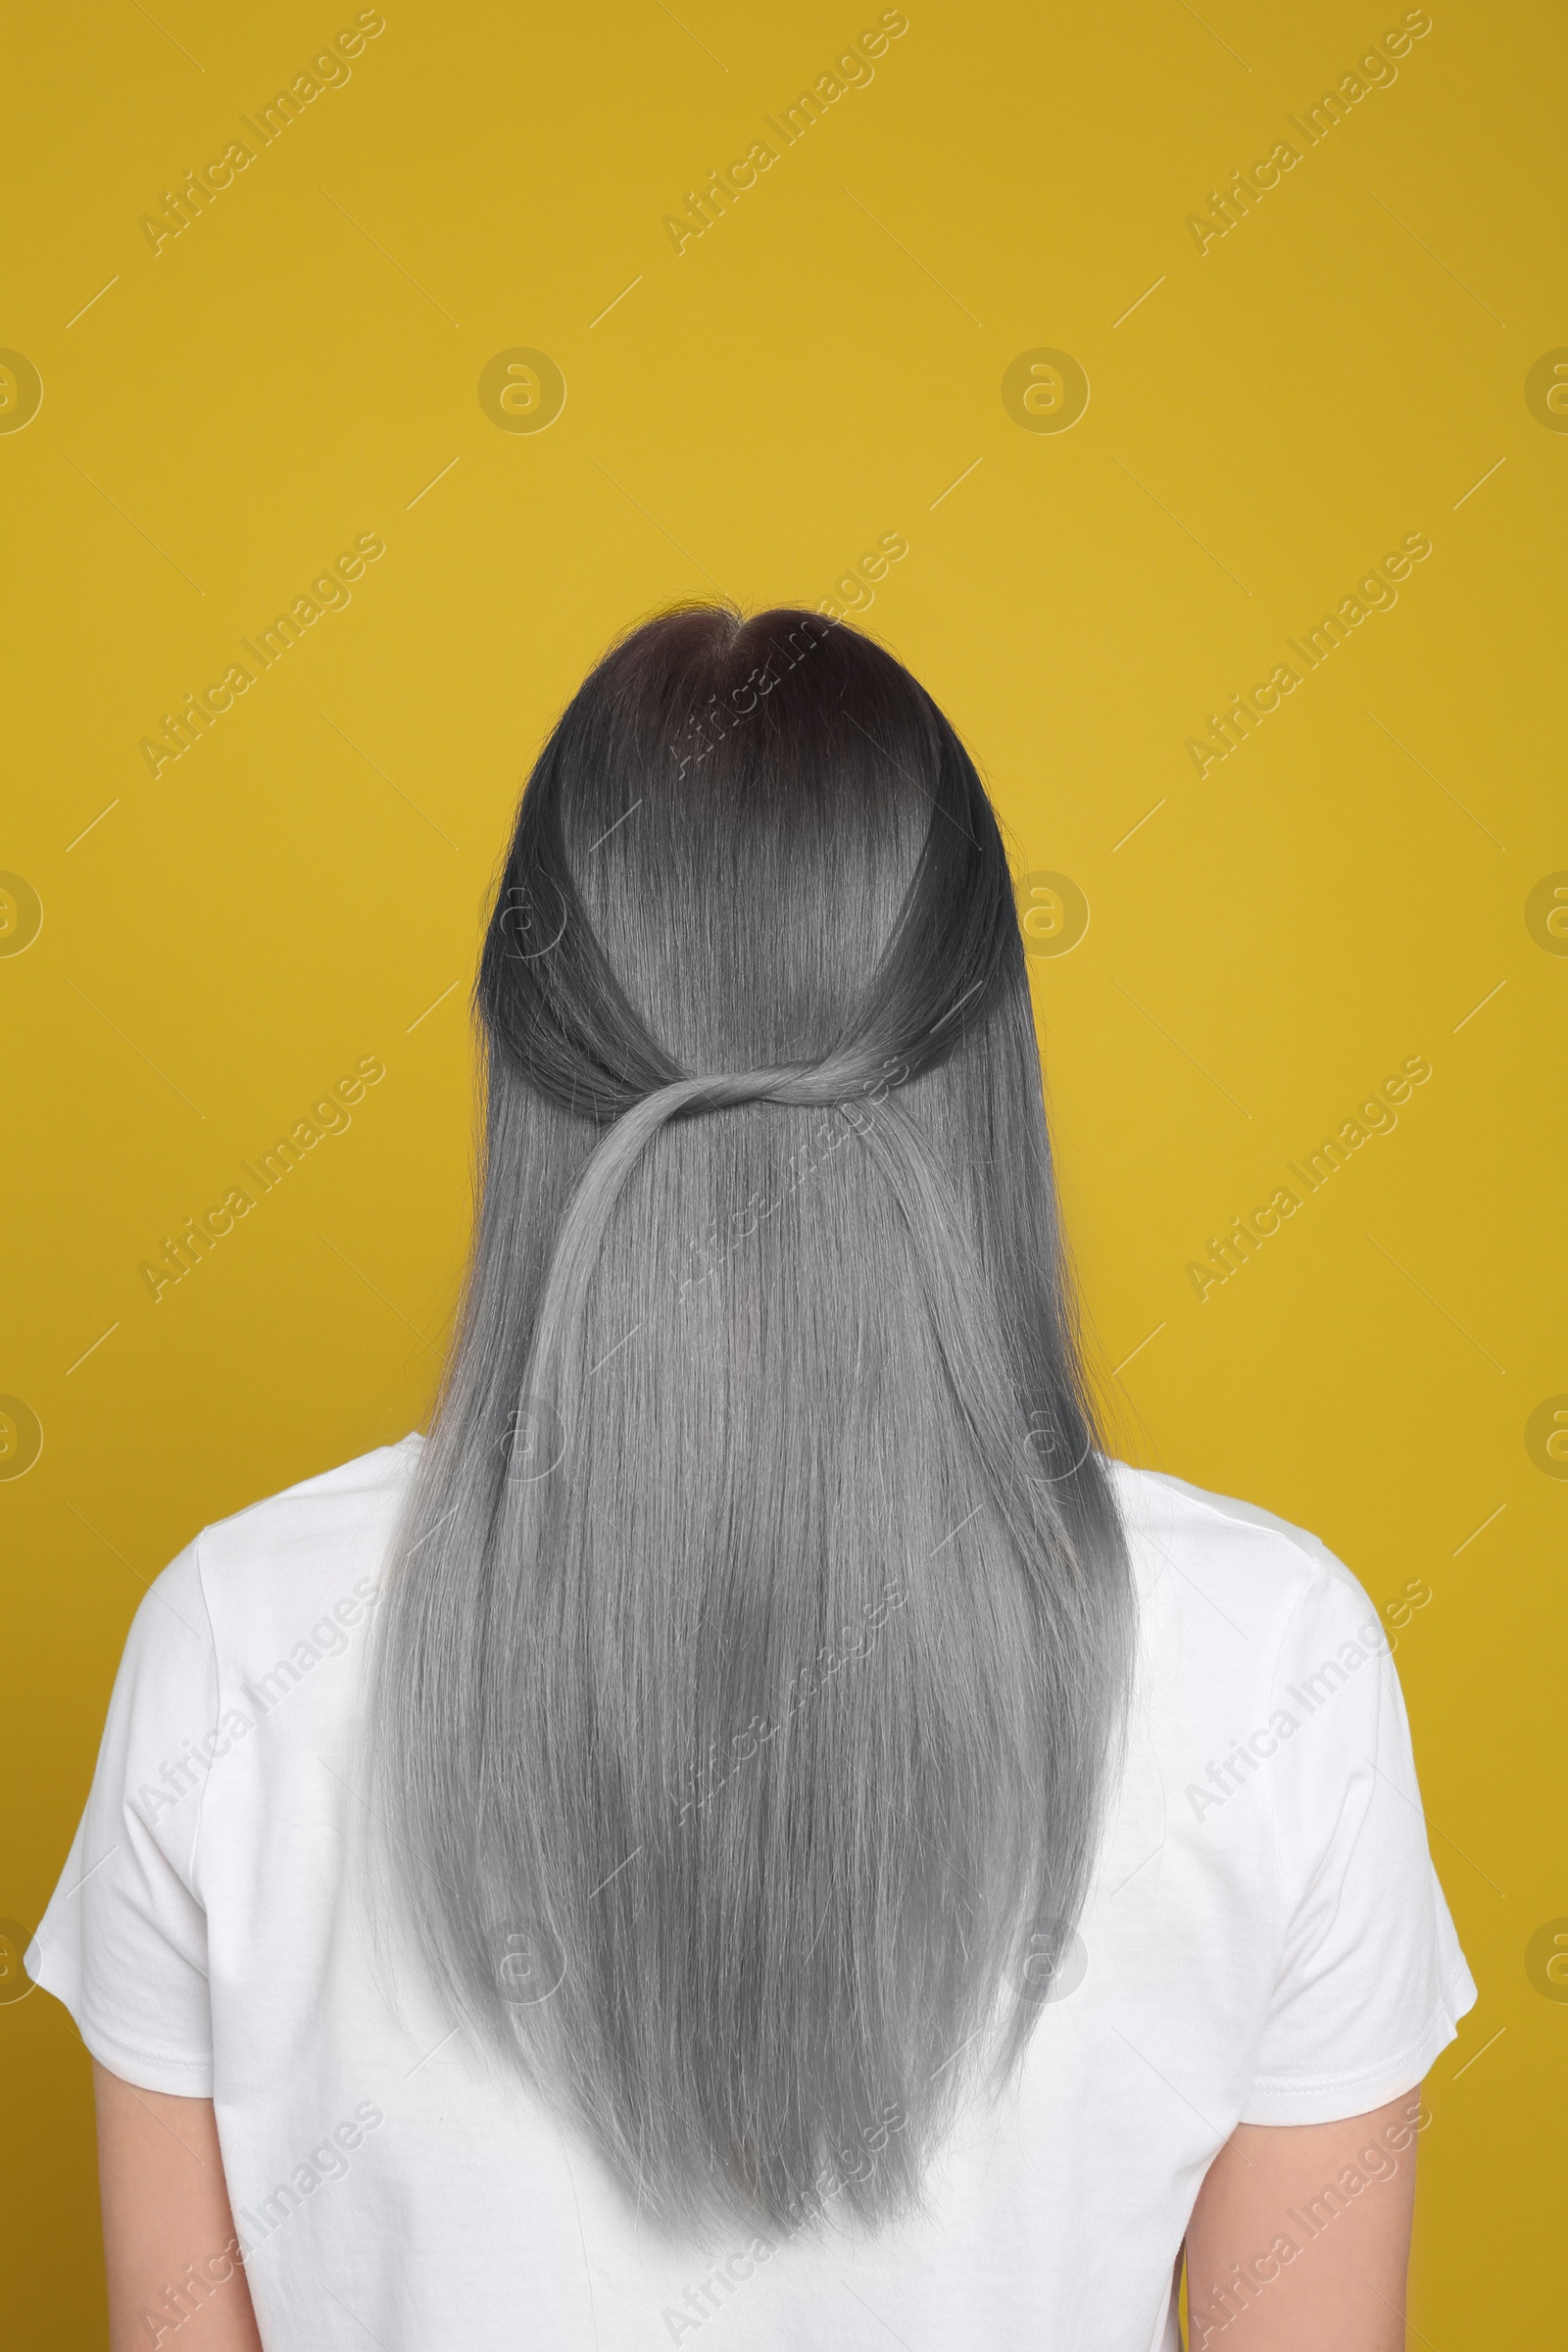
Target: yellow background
304, 885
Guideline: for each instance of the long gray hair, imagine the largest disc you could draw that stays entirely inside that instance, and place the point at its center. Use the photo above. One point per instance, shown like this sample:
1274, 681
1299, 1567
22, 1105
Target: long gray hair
757, 1635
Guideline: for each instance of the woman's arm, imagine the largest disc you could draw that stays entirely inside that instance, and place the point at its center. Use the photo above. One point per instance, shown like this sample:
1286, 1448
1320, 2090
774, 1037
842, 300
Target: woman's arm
174, 2273
1301, 2235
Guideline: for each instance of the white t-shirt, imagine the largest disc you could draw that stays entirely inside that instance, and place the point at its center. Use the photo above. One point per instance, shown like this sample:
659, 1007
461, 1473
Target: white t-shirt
1266, 1941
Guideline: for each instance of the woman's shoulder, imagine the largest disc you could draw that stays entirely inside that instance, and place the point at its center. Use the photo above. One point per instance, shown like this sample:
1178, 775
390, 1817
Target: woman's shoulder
267, 1574
1221, 1563
328, 1506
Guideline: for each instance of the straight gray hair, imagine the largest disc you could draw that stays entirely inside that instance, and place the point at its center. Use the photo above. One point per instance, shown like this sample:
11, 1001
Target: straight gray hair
757, 1642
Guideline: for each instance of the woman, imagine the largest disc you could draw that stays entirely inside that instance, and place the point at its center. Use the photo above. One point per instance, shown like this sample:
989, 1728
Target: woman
757, 1823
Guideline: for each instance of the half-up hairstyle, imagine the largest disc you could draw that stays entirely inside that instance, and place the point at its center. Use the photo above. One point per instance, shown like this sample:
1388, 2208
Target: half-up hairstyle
757, 1635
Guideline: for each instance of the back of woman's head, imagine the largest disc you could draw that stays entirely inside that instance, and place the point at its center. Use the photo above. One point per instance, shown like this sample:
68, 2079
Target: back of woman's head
759, 1630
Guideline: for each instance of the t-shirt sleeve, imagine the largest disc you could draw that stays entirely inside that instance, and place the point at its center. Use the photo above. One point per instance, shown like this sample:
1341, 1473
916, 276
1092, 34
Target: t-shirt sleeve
123, 1941
1372, 1980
